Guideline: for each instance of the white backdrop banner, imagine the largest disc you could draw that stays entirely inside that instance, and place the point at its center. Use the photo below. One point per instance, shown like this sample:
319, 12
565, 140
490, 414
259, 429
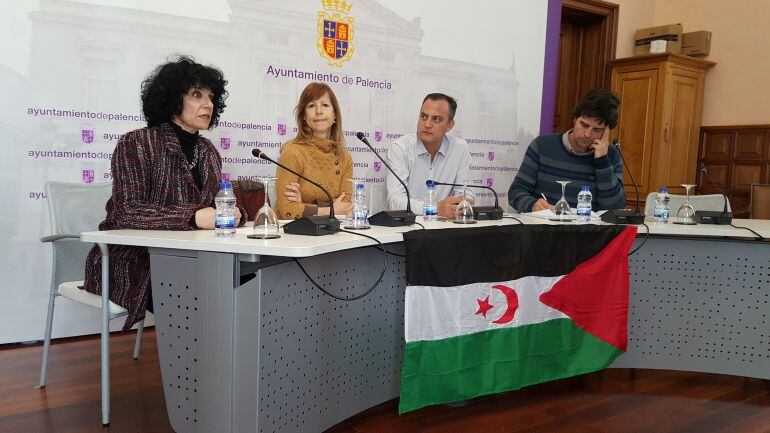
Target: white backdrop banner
71, 77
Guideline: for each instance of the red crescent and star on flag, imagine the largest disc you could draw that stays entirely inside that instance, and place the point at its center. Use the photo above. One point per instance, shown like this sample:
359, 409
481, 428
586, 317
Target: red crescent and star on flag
512, 300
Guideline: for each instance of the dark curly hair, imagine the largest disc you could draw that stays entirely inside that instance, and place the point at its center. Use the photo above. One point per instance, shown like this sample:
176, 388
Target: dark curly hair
599, 104
163, 90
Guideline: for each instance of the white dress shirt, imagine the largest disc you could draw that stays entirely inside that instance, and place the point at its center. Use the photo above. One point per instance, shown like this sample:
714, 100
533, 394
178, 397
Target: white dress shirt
411, 161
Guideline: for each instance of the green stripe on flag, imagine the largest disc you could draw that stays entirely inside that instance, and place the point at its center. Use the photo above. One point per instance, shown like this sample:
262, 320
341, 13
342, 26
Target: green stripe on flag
489, 362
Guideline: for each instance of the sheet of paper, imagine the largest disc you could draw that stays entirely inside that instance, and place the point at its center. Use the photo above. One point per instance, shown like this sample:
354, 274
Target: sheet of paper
548, 214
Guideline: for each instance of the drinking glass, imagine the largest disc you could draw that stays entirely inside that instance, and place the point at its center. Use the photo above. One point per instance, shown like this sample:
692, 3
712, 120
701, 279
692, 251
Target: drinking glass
686, 213
562, 207
464, 211
266, 221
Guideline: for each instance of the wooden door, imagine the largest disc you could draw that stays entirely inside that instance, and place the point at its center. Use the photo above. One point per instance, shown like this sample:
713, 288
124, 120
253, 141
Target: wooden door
586, 46
569, 69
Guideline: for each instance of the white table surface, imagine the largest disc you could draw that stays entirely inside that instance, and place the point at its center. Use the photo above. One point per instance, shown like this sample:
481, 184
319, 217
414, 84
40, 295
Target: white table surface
305, 246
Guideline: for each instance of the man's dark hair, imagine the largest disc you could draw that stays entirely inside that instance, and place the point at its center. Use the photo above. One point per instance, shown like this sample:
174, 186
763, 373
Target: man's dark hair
164, 89
599, 104
442, 97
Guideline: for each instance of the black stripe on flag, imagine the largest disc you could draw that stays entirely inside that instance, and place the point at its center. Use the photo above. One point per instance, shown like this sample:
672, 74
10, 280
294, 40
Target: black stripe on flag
451, 257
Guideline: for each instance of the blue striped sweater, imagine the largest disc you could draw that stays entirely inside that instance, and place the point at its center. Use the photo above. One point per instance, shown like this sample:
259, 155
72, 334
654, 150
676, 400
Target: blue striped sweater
547, 161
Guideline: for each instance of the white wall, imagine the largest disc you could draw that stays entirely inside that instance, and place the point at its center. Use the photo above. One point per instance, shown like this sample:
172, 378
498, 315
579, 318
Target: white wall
91, 56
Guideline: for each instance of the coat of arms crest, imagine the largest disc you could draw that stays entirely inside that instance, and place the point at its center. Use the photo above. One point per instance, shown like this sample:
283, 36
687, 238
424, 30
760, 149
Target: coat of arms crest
335, 32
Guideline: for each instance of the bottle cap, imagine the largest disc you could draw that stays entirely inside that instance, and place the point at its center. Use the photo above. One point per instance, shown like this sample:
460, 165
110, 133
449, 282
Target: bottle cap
585, 188
431, 186
663, 190
225, 185
359, 186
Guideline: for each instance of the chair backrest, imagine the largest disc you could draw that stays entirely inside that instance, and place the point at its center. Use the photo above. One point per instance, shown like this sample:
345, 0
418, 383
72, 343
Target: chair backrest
699, 202
250, 194
760, 201
74, 208
377, 199
271, 193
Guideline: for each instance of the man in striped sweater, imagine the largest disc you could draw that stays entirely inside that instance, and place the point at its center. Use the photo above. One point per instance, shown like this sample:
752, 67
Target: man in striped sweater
582, 155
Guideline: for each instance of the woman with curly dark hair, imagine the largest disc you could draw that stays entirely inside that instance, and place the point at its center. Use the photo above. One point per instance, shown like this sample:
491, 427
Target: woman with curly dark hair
165, 176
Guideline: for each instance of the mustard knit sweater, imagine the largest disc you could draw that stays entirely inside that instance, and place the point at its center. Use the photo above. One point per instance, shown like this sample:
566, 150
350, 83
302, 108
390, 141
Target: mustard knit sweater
317, 161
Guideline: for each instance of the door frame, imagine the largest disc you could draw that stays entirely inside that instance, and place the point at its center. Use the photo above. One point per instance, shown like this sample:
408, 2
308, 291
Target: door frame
608, 13
591, 10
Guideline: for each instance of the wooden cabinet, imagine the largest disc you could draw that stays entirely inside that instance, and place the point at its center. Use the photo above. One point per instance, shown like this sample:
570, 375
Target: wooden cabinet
659, 120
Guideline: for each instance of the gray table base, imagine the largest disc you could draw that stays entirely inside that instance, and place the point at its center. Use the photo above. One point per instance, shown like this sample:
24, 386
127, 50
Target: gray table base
700, 305
277, 355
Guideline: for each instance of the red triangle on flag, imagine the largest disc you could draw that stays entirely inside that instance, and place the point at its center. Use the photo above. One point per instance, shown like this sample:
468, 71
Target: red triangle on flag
595, 294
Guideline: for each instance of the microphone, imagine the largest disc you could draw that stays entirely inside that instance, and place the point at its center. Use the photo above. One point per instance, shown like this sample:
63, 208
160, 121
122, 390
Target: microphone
390, 218
481, 212
313, 225
713, 217
624, 216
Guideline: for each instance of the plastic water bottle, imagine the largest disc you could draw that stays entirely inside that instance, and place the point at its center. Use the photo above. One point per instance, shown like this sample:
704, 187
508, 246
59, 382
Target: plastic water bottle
430, 208
358, 213
584, 205
225, 213
662, 199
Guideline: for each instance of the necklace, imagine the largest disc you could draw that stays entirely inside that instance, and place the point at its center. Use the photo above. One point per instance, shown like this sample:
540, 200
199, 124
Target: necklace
194, 161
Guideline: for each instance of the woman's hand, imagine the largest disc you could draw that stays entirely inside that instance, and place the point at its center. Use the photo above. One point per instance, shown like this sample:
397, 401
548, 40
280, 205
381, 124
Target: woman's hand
292, 192
341, 207
205, 218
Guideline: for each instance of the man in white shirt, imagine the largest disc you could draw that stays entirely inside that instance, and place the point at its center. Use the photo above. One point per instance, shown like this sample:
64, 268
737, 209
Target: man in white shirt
430, 154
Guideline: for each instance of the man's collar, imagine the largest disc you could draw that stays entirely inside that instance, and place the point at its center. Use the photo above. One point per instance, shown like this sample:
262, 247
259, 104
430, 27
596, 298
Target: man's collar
568, 146
442, 149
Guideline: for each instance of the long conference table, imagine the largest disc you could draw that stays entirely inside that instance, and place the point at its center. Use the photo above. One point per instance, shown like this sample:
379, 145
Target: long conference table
275, 354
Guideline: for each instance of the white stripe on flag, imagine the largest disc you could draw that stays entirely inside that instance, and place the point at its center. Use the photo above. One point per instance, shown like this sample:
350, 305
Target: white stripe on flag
434, 313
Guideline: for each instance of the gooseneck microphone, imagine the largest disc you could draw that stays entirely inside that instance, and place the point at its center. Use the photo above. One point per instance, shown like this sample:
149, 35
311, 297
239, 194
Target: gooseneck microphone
709, 216
313, 225
390, 218
624, 216
481, 212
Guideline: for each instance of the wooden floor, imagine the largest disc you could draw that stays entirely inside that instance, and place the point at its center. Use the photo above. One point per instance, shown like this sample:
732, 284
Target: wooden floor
614, 401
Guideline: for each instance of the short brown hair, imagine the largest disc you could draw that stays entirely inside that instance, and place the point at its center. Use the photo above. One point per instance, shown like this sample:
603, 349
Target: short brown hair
442, 97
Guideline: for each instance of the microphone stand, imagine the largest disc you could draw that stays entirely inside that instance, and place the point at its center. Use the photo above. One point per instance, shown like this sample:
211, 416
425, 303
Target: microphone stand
713, 217
315, 225
390, 218
624, 216
482, 212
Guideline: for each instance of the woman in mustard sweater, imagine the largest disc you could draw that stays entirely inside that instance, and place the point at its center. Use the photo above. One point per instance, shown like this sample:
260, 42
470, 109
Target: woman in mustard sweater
317, 152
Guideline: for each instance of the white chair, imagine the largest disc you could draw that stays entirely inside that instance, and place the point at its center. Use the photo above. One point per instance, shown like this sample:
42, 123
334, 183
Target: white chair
715, 202
76, 208
760, 201
270, 194
377, 198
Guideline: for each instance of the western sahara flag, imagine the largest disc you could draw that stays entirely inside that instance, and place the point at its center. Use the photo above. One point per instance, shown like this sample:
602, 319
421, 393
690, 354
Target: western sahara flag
493, 309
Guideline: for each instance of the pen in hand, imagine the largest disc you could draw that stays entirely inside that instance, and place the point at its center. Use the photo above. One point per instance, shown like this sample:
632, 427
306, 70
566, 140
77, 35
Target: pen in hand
543, 195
